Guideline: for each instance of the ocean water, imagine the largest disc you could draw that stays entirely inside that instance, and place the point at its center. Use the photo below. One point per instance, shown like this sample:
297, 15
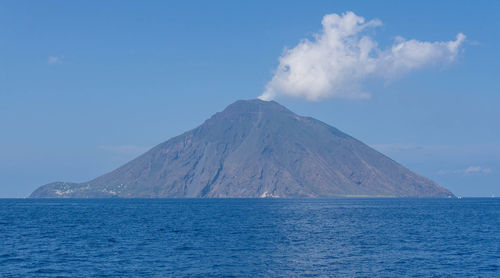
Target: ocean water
250, 238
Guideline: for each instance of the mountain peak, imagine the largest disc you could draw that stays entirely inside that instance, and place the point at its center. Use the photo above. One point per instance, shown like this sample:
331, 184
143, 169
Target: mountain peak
255, 105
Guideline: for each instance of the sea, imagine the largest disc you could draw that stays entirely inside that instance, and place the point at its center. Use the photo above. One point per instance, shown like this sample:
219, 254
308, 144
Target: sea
250, 237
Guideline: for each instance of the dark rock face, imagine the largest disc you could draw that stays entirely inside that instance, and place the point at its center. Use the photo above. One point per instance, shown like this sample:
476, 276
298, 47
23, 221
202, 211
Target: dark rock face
255, 149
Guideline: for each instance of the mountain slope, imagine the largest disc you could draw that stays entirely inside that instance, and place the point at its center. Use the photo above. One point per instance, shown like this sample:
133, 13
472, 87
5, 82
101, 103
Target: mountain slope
255, 149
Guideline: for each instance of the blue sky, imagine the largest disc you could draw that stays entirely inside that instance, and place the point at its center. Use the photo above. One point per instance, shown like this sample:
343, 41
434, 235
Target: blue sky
87, 86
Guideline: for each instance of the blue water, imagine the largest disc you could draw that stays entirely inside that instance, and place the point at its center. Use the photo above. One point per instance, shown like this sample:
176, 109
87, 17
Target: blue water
250, 237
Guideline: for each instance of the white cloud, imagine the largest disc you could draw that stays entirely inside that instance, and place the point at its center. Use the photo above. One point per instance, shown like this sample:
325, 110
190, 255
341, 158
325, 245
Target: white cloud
125, 149
471, 170
461, 151
55, 60
342, 56
397, 147
477, 170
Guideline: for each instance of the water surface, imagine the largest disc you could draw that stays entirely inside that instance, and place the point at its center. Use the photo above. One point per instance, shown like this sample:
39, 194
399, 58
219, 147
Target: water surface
250, 237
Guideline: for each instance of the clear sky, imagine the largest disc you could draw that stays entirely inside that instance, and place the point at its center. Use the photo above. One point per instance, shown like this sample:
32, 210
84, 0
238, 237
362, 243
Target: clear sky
88, 85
